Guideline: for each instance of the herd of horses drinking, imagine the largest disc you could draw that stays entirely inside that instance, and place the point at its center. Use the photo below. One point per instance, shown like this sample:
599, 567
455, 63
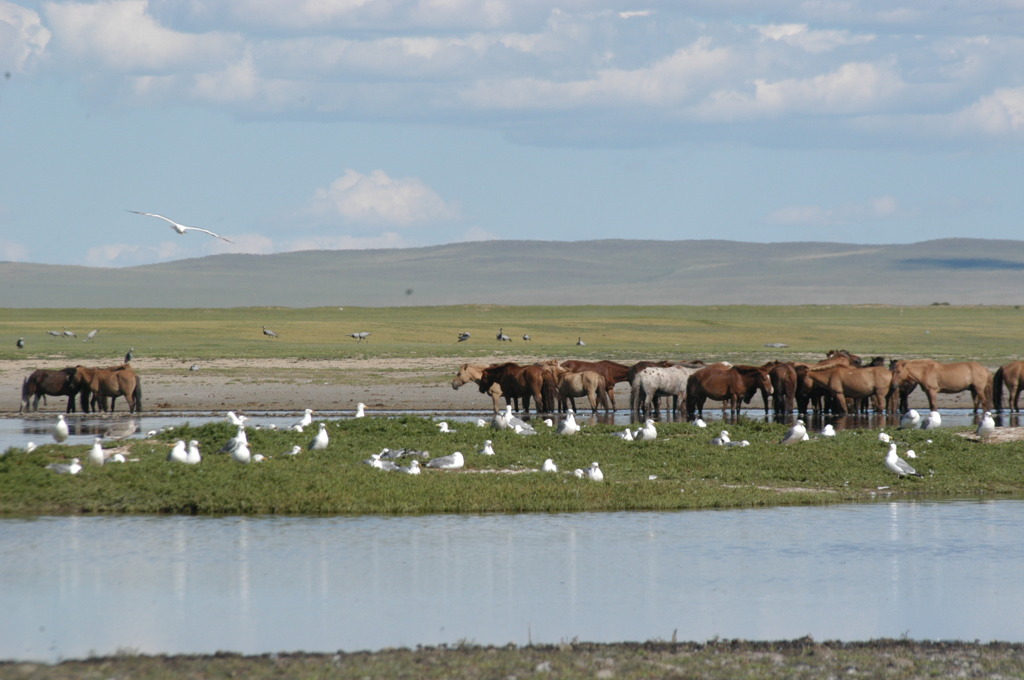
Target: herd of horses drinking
840, 384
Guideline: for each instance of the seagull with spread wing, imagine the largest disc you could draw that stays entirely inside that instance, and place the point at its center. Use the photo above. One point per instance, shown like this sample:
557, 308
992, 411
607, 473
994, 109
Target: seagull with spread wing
181, 228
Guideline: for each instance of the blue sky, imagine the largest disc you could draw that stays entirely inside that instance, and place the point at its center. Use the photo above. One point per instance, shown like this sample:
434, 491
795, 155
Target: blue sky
302, 124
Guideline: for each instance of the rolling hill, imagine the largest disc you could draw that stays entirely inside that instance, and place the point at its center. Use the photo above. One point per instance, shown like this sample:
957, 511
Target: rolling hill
698, 272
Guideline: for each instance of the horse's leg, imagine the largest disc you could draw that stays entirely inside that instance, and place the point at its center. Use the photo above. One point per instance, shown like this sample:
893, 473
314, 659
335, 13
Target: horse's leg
932, 394
610, 391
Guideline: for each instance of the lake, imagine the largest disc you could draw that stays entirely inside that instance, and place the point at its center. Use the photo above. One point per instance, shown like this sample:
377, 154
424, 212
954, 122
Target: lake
75, 586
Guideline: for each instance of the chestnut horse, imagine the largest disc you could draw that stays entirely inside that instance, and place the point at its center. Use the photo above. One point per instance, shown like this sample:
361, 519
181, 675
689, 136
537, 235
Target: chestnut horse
783, 377
118, 381
725, 383
613, 372
591, 384
42, 382
1011, 376
473, 373
935, 377
852, 382
521, 381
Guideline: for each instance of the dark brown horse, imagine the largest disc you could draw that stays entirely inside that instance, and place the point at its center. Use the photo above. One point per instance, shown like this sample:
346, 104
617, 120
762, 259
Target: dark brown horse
810, 394
726, 383
523, 382
42, 382
613, 372
947, 378
783, 377
473, 373
100, 383
1011, 376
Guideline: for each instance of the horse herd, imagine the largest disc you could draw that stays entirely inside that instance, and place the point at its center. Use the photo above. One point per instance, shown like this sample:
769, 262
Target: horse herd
91, 385
839, 384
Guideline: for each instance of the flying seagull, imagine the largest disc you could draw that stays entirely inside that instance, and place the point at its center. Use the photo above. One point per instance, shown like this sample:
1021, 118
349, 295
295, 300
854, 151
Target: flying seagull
181, 228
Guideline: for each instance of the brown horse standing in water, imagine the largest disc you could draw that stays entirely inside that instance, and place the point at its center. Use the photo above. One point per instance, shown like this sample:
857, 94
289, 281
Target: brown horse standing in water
521, 381
613, 372
474, 373
590, 384
1011, 376
852, 382
783, 377
726, 383
119, 381
935, 378
42, 382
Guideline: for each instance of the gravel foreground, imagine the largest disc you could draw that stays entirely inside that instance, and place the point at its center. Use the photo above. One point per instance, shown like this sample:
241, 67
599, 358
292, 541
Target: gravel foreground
802, 658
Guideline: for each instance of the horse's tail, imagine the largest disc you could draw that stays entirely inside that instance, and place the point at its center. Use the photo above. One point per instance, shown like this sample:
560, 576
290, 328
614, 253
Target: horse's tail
997, 389
137, 395
26, 394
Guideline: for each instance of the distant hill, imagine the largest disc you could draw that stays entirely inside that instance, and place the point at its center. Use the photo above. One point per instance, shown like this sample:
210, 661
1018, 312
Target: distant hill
606, 272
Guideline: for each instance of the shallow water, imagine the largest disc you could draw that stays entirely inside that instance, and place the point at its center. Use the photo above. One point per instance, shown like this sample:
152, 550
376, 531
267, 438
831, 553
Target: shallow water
74, 586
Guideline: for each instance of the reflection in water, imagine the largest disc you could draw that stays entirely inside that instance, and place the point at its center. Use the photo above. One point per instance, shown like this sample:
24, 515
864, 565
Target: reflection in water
74, 586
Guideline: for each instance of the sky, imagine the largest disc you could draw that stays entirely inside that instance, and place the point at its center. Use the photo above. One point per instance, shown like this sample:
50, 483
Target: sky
291, 125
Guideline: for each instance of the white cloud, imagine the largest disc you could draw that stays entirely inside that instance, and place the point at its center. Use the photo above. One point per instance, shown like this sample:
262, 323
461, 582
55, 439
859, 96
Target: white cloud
11, 251
22, 36
813, 41
876, 208
379, 199
477, 233
998, 114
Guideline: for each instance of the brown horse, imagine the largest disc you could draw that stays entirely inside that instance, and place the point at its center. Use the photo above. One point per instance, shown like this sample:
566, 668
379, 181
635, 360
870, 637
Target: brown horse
1011, 376
42, 382
473, 373
726, 383
613, 372
783, 377
570, 385
852, 382
935, 377
119, 381
810, 394
523, 382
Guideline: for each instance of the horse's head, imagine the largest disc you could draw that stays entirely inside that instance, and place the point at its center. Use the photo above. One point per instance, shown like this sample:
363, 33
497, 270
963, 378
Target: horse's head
900, 372
462, 377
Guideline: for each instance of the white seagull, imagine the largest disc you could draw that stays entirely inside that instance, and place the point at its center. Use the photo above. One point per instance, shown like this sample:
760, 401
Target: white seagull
65, 468
647, 432
897, 465
296, 450
549, 466
884, 437
700, 423
235, 419
795, 434
986, 427
320, 439
933, 421
306, 419
181, 228
568, 424
626, 435
722, 439
193, 457
594, 473
178, 454
241, 454
487, 449
828, 430
96, 455
910, 420
360, 410
480, 422
239, 439
60, 429
443, 428
413, 469
452, 462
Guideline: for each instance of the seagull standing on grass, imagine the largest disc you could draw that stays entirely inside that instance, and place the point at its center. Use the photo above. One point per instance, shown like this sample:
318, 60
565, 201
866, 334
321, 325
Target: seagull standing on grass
795, 434
897, 465
487, 449
239, 439
181, 228
96, 455
986, 427
306, 419
933, 421
647, 432
568, 424
320, 439
360, 410
594, 474
910, 420
242, 454
60, 429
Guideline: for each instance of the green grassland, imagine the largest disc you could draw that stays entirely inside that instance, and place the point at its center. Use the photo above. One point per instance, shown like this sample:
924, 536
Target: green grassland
991, 335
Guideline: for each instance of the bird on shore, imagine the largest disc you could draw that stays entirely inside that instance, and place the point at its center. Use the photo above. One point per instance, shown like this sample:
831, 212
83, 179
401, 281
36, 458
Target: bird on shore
451, 462
72, 468
568, 424
181, 228
549, 466
897, 465
96, 455
20, 344
69, 334
487, 449
526, 337
884, 437
579, 342
986, 427
910, 420
193, 456
232, 444
360, 336
360, 410
320, 439
128, 355
307, 418
501, 337
722, 439
646, 433
795, 434
625, 435
932, 421
828, 430
60, 429
443, 428
296, 450
235, 419
700, 423
463, 336
241, 454
594, 473
269, 333
178, 453
91, 334
413, 469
